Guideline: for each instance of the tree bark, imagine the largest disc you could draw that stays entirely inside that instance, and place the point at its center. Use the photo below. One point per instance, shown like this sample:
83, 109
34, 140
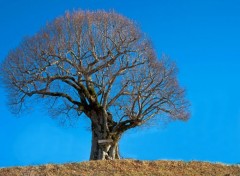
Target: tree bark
104, 141
104, 150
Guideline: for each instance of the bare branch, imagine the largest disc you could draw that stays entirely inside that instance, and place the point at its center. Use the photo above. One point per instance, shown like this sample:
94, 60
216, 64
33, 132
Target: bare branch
96, 63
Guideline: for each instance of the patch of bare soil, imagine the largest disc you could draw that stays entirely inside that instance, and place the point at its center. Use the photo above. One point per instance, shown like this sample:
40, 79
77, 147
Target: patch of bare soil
126, 168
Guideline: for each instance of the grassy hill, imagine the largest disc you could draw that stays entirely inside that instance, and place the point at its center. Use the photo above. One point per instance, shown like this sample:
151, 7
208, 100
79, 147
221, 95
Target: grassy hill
126, 168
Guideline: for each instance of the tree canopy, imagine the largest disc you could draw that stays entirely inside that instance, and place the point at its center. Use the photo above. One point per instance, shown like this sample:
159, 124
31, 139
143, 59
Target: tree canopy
87, 62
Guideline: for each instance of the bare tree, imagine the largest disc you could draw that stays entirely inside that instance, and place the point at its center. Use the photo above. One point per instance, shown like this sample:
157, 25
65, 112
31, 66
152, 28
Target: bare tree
100, 65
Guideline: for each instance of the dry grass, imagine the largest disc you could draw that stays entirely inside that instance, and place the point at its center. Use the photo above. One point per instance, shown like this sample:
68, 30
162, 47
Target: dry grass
126, 168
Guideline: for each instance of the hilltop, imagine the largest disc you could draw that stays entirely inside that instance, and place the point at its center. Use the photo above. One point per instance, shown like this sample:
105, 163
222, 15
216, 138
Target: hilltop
126, 168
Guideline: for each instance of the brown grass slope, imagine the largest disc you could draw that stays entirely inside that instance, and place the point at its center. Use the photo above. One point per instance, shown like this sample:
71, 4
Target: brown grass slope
126, 168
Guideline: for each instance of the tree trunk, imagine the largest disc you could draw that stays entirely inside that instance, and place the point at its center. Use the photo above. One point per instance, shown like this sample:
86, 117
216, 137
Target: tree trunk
103, 149
104, 141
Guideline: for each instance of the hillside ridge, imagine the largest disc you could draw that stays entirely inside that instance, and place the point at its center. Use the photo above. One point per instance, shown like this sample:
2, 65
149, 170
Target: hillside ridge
126, 168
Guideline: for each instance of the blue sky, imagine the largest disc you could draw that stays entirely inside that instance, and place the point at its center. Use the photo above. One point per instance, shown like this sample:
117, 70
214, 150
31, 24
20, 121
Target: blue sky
202, 36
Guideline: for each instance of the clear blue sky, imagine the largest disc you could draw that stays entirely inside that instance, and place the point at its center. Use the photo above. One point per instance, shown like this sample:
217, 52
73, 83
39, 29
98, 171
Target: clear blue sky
202, 36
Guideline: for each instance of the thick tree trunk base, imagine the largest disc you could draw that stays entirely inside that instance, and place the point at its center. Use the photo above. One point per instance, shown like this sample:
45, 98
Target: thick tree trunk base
104, 150
104, 140
104, 145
